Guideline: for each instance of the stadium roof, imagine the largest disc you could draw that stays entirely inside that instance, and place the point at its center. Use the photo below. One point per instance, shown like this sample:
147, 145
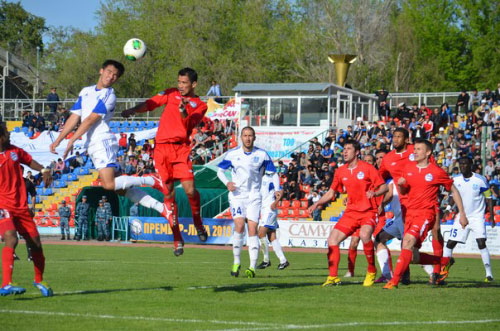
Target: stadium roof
248, 88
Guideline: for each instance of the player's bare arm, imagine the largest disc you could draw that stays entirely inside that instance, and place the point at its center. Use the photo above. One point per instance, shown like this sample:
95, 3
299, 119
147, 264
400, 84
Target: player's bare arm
46, 175
82, 129
402, 185
70, 124
381, 191
277, 195
324, 199
140, 108
458, 200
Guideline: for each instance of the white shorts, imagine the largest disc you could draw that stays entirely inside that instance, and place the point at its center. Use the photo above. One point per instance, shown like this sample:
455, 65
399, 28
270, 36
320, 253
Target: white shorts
247, 208
104, 153
394, 227
269, 218
475, 225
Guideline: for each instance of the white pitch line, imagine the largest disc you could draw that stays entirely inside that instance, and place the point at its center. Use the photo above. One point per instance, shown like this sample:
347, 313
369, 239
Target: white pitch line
132, 262
361, 324
136, 318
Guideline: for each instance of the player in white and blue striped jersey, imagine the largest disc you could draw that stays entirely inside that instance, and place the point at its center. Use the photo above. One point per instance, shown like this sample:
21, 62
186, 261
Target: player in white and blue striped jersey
271, 195
474, 190
95, 108
248, 164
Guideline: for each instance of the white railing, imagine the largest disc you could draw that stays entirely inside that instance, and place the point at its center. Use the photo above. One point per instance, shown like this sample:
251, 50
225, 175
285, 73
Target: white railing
430, 99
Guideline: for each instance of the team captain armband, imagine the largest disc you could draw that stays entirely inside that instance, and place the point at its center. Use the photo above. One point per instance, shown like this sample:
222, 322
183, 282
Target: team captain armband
487, 194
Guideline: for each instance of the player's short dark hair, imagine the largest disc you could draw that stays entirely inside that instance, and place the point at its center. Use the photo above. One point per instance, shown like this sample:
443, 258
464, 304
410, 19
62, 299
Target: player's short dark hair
381, 151
191, 73
116, 64
248, 128
405, 132
465, 158
354, 143
426, 142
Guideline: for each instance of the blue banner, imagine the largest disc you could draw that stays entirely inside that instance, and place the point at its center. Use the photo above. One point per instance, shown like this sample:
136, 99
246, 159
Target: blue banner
219, 231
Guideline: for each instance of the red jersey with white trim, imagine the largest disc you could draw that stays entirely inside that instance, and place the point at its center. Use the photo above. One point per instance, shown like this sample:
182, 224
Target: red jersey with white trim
393, 163
173, 128
12, 188
356, 182
423, 184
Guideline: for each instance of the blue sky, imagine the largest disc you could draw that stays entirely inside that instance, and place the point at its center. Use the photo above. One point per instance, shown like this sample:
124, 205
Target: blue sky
76, 13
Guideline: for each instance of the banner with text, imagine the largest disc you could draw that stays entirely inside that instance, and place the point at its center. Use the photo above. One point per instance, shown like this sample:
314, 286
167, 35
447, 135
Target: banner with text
278, 142
315, 234
155, 229
229, 111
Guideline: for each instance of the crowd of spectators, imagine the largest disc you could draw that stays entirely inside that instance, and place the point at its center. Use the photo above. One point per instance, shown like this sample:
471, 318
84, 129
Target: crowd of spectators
474, 123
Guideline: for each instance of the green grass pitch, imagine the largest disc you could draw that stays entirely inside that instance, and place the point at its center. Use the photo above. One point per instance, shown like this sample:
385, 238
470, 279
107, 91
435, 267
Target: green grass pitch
127, 287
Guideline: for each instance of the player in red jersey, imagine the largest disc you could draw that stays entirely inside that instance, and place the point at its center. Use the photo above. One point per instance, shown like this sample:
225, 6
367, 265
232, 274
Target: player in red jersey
183, 111
362, 183
15, 215
392, 166
421, 180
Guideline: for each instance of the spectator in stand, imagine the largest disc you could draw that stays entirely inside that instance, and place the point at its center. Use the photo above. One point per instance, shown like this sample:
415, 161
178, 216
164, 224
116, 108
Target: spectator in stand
383, 106
214, 90
488, 96
63, 115
53, 100
312, 198
496, 110
132, 143
437, 121
144, 156
291, 191
218, 128
131, 166
462, 103
204, 153
424, 111
428, 126
122, 143
121, 162
327, 152
317, 157
60, 166
497, 93
200, 138
475, 100
195, 158
282, 169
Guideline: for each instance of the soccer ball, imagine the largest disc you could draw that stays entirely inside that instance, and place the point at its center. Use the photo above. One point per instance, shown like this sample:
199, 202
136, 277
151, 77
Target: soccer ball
134, 49
136, 227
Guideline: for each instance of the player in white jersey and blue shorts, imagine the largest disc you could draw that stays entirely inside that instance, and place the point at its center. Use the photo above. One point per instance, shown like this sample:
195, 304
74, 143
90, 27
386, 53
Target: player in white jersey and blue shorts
475, 191
248, 164
271, 194
95, 108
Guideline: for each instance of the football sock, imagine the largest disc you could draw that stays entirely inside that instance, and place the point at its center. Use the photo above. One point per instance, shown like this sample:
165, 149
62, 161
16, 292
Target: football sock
39, 264
351, 260
447, 252
402, 264
390, 260
135, 194
430, 259
485, 256
437, 248
429, 269
237, 243
125, 182
278, 251
170, 203
370, 256
253, 250
383, 262
265, 248
333, 260
194, 202
7, 264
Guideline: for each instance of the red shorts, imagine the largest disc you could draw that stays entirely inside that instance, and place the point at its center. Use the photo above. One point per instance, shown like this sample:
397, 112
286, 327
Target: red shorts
380, 225
20, 221
352, 221
418, 223
172, 162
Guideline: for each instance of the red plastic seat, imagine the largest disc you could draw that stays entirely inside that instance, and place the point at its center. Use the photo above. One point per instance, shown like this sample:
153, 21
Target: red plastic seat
285, 203
295, 204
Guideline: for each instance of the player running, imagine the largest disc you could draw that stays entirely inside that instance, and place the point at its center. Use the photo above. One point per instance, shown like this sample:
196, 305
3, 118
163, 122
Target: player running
95, 108
15, 216
183, 111
362, 182
421, 180
473, 189
271, 194
248, 165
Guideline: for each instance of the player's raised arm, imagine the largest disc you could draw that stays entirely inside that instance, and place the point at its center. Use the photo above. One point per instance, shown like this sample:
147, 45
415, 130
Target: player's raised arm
327, 197
70, 124
140, 108
458, 200
46, 175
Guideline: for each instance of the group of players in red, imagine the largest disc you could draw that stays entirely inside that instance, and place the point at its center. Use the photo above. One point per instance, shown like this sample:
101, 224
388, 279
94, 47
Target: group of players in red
183, 111
417, 179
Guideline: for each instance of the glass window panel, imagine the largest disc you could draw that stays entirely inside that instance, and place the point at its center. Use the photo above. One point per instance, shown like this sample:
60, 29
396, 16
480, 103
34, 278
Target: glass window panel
312, 111
254, 111
284, 112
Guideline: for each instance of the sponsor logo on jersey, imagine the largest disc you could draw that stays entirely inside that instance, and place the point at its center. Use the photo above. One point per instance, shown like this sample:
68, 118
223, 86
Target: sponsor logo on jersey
13, 156
412, 157
161, 93
345, 178
475, 187
193, 104
255, 159
410, 174
393, 163
360, 175
178, 97
428, 178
